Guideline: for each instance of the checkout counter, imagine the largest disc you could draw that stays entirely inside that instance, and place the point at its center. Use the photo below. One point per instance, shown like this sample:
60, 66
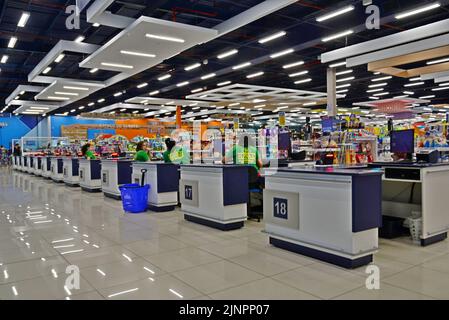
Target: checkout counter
70, 171
90, 175
331, 214
24, 162
214, 195
46, 167
29, 164
37, 165
56, 169
419, 188
164, 181
114, 173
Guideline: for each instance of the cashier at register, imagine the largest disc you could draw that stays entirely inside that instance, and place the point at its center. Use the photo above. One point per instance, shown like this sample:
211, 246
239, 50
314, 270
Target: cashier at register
142, 152
87, 152
179, 155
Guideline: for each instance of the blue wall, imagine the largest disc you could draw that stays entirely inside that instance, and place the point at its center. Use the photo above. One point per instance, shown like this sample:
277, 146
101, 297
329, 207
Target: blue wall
17, 127
57, 122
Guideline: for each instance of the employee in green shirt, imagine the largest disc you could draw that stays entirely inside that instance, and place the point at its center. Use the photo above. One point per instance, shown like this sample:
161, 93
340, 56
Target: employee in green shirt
246, 155
142, 152
87, 152
179, 155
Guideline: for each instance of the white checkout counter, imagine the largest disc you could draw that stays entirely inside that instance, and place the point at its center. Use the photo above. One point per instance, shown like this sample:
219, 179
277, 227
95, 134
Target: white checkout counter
90, 175
114, 173
418, 187
331, 214
38, 165
214, 195
23, 163
29, 164
56, 169
15, 162
46, 167
70, 172
164, 181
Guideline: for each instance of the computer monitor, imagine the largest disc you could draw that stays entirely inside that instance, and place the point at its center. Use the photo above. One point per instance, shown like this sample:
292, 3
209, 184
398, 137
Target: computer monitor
403, 141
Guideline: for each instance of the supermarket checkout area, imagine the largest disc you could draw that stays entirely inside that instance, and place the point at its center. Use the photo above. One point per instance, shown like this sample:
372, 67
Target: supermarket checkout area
115, 172
214, 195
57, 174
90, 175
71, 171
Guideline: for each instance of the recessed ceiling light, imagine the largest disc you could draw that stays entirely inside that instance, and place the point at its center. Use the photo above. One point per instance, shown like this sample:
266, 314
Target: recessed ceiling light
234, 104
378, 85
153, 93
374, 90
23, 19
342, 91
303, 81
417, 11
441, 89
381, 79
337, 35
58, 98
12, 42
47, 70
381, 94
138, 54
101, 100
192, 67
344, 72
79, 39
81, 108
272, 37
165, 77
67, 93
59, 58
197, 90
142, 85
254, 75
338, 64
415, 79
282, 53
208, 76
428, 97
117, 65
345, 79
414, 84
91, 104
96, 25
294, 64
309, 104
93, 70
227, 54
334, 14
409, 92
343, 86
221, 84
297, 74
437, 61
241, 66
4, 59
76, 88
72, 111
182, 84
118, 94
122, 110
165, 38
40, 108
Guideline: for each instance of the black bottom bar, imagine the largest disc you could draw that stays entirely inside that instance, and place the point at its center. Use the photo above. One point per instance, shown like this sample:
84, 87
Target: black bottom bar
72, 185
90, 190
323, 256
58, 181
112, 196
161, 209
213, 224
434, 239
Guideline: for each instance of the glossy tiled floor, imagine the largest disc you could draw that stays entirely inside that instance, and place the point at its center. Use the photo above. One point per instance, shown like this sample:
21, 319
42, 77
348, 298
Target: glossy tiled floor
45, 227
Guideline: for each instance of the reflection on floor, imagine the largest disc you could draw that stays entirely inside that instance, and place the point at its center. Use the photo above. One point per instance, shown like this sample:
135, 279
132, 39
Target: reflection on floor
46, 227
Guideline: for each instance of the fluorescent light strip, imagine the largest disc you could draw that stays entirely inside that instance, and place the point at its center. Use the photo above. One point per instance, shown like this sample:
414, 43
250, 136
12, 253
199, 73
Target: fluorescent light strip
338, 64
427, 97
374, 90
4, 59
437, 61
254, 75
308, 104
47, 70
182, 84
409, 92
381, 79
165, 38
414, 84
23, 19
142, 85
282, 53
227, 54
337, 35
153, 93
345, 79
417, 78
208, 76
59, 58
197, 90
303, 81
12, 42
193, 66
79, 39
381, 94
342, 91
117, 65
344, 72
221, 84
39, 108
76, 88
165, 77
374, 98
67, 93
138, 54
378, 85
417, 11
93, 70
294, 64
58, 98
297, 74
441, 89
272, 37
241, 66
118, 94
343, 86
334, 14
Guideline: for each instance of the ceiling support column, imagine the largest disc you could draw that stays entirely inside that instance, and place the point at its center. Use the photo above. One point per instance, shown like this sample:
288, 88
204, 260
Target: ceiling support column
332, 110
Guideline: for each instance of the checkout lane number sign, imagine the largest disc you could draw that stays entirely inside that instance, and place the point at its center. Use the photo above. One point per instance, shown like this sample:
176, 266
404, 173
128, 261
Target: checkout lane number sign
188, 192
280, 208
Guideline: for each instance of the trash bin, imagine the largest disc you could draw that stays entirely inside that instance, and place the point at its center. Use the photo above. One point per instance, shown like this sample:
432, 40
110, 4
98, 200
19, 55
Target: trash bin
134, 197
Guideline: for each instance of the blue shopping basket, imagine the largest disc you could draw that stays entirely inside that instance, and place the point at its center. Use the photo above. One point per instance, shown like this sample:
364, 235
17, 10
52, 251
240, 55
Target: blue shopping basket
135, 197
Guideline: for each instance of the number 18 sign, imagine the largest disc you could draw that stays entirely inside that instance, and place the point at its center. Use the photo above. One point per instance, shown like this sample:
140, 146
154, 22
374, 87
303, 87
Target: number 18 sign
280, 208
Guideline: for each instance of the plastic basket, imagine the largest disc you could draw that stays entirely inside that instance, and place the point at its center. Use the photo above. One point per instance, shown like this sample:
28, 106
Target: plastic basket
134, 197
415, 225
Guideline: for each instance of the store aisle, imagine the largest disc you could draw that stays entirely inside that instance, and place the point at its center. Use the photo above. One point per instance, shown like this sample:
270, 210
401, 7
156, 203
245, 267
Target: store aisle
46, 227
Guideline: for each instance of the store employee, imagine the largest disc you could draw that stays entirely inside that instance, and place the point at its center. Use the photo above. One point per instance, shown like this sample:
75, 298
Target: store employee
178, 156
87, 152
142, 152
246, 155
